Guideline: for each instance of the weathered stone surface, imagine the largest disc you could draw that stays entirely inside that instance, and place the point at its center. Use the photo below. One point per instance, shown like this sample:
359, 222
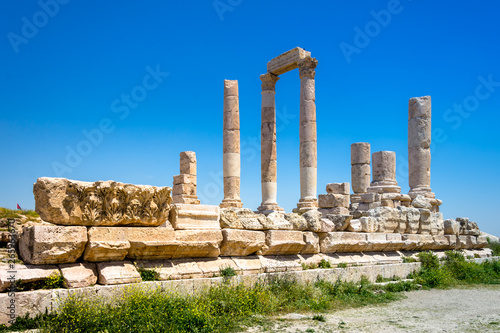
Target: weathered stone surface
197, 243
334, 211
241, 242
360, 153
389, 219
287, 61
354, 226
187, 162
338, 188
183, 216
369, 224
316, 223
117, 272
467, 227
421, 202
394, 242
52, 244
440, 242
297, 221
107, 203
248, 265
29, 303
282, 263
276, 221
24, 274
106, 244
241, 218
312, 243
360, 177
436, 224
412, 219
376, 242
340, 222
151, 243
184, 179
332, 242
452, 241
283, 242
425, 222
333, 200
211, 267
79, 275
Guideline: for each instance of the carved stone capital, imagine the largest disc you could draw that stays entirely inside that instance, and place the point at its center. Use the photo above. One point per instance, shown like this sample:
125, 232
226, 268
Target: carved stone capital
269, 81
307, 67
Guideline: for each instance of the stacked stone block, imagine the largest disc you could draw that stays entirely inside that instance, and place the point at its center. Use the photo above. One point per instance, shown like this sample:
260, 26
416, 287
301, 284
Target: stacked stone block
360, 168
184, 190
336, 201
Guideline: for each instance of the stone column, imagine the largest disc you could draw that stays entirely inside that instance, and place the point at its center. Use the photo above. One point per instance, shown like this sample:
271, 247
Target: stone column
231, 146
308, 137
384, 173
360, 167
268, 144
184, 191
419, 141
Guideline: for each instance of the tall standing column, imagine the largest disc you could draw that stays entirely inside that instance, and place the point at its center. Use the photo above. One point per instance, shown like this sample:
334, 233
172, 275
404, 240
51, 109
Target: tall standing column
308, 137
231, 150
419, 141
360, 167
268, 144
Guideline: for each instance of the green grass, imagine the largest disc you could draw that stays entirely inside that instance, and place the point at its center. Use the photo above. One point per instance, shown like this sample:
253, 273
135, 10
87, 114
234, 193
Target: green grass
495, 247
14, 214
227, 271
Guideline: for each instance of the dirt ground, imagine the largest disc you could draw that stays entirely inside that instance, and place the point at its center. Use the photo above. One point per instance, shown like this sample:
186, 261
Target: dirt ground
455, 310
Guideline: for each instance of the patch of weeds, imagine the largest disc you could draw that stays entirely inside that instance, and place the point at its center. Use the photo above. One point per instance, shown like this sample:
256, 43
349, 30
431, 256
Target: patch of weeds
342, 324
148, 274
324, 264
227, 271
408, 259
429, 260
342, 265
54, 281
319, 318
8, 213
305, 266
495, 247
310, 330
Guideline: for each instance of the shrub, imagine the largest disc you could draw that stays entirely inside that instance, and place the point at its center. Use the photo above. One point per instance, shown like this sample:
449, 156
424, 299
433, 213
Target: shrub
319, 318
429, 260
148, 274
324, 264
494, 246
227, 271
54, 281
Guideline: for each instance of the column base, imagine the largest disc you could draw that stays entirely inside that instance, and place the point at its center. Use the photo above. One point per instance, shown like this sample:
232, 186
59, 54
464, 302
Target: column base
269, 208
306, 204
384, 187
425, 191
229, 203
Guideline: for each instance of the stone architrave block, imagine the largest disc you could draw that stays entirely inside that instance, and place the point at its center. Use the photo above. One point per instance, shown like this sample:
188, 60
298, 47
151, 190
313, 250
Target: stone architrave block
185, 216
151, 243
332, 242
106, 244
283, 242
104, 203
333, 200
117, 272
312, 243
78, 275
338, 188
198, 243
287, 61
52, 244
241, 242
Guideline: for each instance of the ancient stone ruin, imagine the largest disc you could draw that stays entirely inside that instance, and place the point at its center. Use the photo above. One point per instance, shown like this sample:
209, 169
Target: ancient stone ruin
105, 232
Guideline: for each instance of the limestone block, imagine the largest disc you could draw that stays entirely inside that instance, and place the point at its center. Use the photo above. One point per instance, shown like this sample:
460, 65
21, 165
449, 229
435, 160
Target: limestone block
340, 222
482, 242
412, 219
241, 218
78, 275
333, 200
106, 244
463, 242
387, 203
211, 267
248, 265
188, 162
426, 242
437, 224
360, 153
287, 61
52, 244
29, 303
312, 243
376, 242
276, 221
197, 243
117, 272
187, 268
360, 177
184, 199
452, 241
103, 203
283, 242
334, 211
241, 242
338, 188
297, 221
354, 226
389, 219
282, 263
332, 242
440, 242
394, 242
185, 216
24, 274
316, 223
184, 189
164, 269
369, 224
425, 221
184, 179
151, 243
370, 197
421, 202
411, 242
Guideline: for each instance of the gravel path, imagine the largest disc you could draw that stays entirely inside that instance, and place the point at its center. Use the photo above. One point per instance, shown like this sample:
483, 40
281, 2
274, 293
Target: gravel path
455, 310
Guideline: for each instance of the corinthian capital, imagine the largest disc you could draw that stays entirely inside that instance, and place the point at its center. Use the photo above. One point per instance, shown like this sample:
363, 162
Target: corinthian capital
269, 81
307, 67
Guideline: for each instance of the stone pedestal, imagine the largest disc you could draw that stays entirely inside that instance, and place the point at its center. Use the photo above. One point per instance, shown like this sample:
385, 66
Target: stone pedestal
308, 137
419, 140
360, 167
184, 190
384, 173
268, 145
231, 150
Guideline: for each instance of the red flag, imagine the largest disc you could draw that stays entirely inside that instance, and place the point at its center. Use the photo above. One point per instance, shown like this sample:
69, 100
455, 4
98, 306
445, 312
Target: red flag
18, 207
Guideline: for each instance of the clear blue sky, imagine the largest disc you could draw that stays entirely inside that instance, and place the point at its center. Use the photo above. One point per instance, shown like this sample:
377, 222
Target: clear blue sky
66, 71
